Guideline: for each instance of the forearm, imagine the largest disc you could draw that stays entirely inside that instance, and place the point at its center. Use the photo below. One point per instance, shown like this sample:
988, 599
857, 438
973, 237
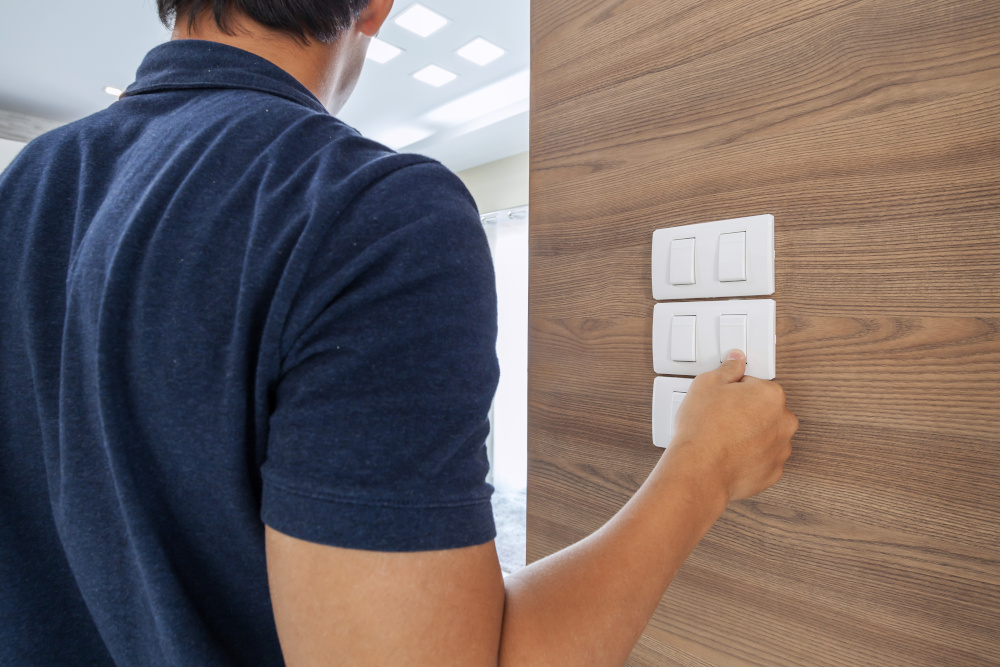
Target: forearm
588, 604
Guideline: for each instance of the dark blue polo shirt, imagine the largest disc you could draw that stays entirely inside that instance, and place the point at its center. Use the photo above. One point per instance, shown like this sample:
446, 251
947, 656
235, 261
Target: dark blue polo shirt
221, 307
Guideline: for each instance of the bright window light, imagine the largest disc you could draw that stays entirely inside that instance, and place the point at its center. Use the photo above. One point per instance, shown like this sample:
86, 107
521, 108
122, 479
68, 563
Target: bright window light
434, 75
398, 137
111, 90
480, 51
420, 20
382, 52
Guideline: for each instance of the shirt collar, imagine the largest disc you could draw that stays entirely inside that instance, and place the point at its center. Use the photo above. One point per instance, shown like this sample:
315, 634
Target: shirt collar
189, 64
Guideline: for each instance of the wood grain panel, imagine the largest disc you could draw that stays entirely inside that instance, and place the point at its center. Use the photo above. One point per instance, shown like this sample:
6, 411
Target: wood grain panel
871, 130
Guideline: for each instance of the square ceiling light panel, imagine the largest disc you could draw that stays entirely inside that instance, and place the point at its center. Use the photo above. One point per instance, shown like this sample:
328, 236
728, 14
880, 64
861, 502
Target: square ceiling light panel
481, 51
420, 20
434, 75
382, 52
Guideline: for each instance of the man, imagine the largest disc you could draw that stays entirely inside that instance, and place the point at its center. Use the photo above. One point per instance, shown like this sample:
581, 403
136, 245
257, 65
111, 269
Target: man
247, 361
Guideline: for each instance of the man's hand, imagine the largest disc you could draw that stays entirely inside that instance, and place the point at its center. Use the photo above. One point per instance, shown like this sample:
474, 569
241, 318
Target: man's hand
738, 426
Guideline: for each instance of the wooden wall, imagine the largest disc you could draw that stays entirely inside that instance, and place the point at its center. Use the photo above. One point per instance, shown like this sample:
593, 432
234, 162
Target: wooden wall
871, 130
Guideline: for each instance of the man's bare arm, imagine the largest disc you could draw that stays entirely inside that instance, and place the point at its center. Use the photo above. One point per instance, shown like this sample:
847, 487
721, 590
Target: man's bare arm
586, 605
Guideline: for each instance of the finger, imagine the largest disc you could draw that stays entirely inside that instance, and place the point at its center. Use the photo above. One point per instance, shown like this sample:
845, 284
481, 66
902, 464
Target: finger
734, 367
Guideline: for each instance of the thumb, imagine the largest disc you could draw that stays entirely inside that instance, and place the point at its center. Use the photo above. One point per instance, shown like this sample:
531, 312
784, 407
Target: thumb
734, 367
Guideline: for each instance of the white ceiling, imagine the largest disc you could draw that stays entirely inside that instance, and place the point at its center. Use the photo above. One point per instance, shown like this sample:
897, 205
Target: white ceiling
56, 57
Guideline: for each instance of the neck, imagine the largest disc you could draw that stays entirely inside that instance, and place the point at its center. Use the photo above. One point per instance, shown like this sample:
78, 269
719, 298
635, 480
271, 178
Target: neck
329, 71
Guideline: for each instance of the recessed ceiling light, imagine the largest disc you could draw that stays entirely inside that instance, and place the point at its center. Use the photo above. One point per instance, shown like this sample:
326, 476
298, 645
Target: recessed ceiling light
434, 75
480, 51
111, 90
420, 20
382, 52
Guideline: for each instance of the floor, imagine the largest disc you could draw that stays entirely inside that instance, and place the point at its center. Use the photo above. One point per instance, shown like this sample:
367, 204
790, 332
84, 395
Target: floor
509, 513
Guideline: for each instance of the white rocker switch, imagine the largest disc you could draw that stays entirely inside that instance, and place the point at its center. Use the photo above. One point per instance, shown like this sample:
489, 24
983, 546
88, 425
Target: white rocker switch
682, 262
733, 257
683, 341
732, 334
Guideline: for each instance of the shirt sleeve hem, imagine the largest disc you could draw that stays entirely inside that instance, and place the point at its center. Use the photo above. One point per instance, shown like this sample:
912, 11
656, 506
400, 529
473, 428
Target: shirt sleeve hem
377, 526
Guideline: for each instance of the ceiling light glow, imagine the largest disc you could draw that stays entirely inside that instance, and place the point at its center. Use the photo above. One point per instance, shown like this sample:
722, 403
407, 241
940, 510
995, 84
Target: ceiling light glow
434, 75
398, 137
111, 90
480, 51
420, 20
382, 52
494, 97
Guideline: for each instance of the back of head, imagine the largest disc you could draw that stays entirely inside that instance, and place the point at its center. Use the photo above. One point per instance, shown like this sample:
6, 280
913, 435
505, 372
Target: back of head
322, 20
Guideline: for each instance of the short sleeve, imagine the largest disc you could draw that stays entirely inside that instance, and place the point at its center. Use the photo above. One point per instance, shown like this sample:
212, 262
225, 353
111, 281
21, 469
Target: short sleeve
377, 436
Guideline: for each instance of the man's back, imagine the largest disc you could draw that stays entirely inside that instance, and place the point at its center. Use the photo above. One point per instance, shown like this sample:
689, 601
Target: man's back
196, 284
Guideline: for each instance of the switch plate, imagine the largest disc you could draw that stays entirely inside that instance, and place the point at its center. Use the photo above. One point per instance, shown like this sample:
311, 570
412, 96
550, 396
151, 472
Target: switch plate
760, 333
758, 251
668, 393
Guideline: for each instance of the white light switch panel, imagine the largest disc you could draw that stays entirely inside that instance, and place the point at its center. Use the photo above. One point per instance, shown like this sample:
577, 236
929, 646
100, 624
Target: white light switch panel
718, 324
730, 258
668, 393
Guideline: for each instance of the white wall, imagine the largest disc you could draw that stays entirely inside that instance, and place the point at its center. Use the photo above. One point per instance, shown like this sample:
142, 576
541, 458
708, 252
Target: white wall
509, 243
8, 150
499, 185
501, 191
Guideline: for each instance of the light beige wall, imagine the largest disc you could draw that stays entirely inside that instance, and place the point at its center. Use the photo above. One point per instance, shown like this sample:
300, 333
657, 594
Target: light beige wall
500, 184
8, 151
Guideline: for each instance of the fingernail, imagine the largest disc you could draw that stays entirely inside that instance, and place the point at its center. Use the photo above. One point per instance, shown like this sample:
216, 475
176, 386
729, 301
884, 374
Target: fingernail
734, 353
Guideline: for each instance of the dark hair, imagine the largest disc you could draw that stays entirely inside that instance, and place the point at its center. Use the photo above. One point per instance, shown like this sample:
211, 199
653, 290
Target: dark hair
320, 19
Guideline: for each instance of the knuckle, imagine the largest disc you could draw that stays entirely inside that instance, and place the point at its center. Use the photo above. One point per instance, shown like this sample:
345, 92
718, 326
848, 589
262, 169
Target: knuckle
793, 424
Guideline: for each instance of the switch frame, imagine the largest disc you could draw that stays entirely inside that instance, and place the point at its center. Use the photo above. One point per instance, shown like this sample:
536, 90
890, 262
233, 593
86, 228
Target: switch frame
761, 339
759, 250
